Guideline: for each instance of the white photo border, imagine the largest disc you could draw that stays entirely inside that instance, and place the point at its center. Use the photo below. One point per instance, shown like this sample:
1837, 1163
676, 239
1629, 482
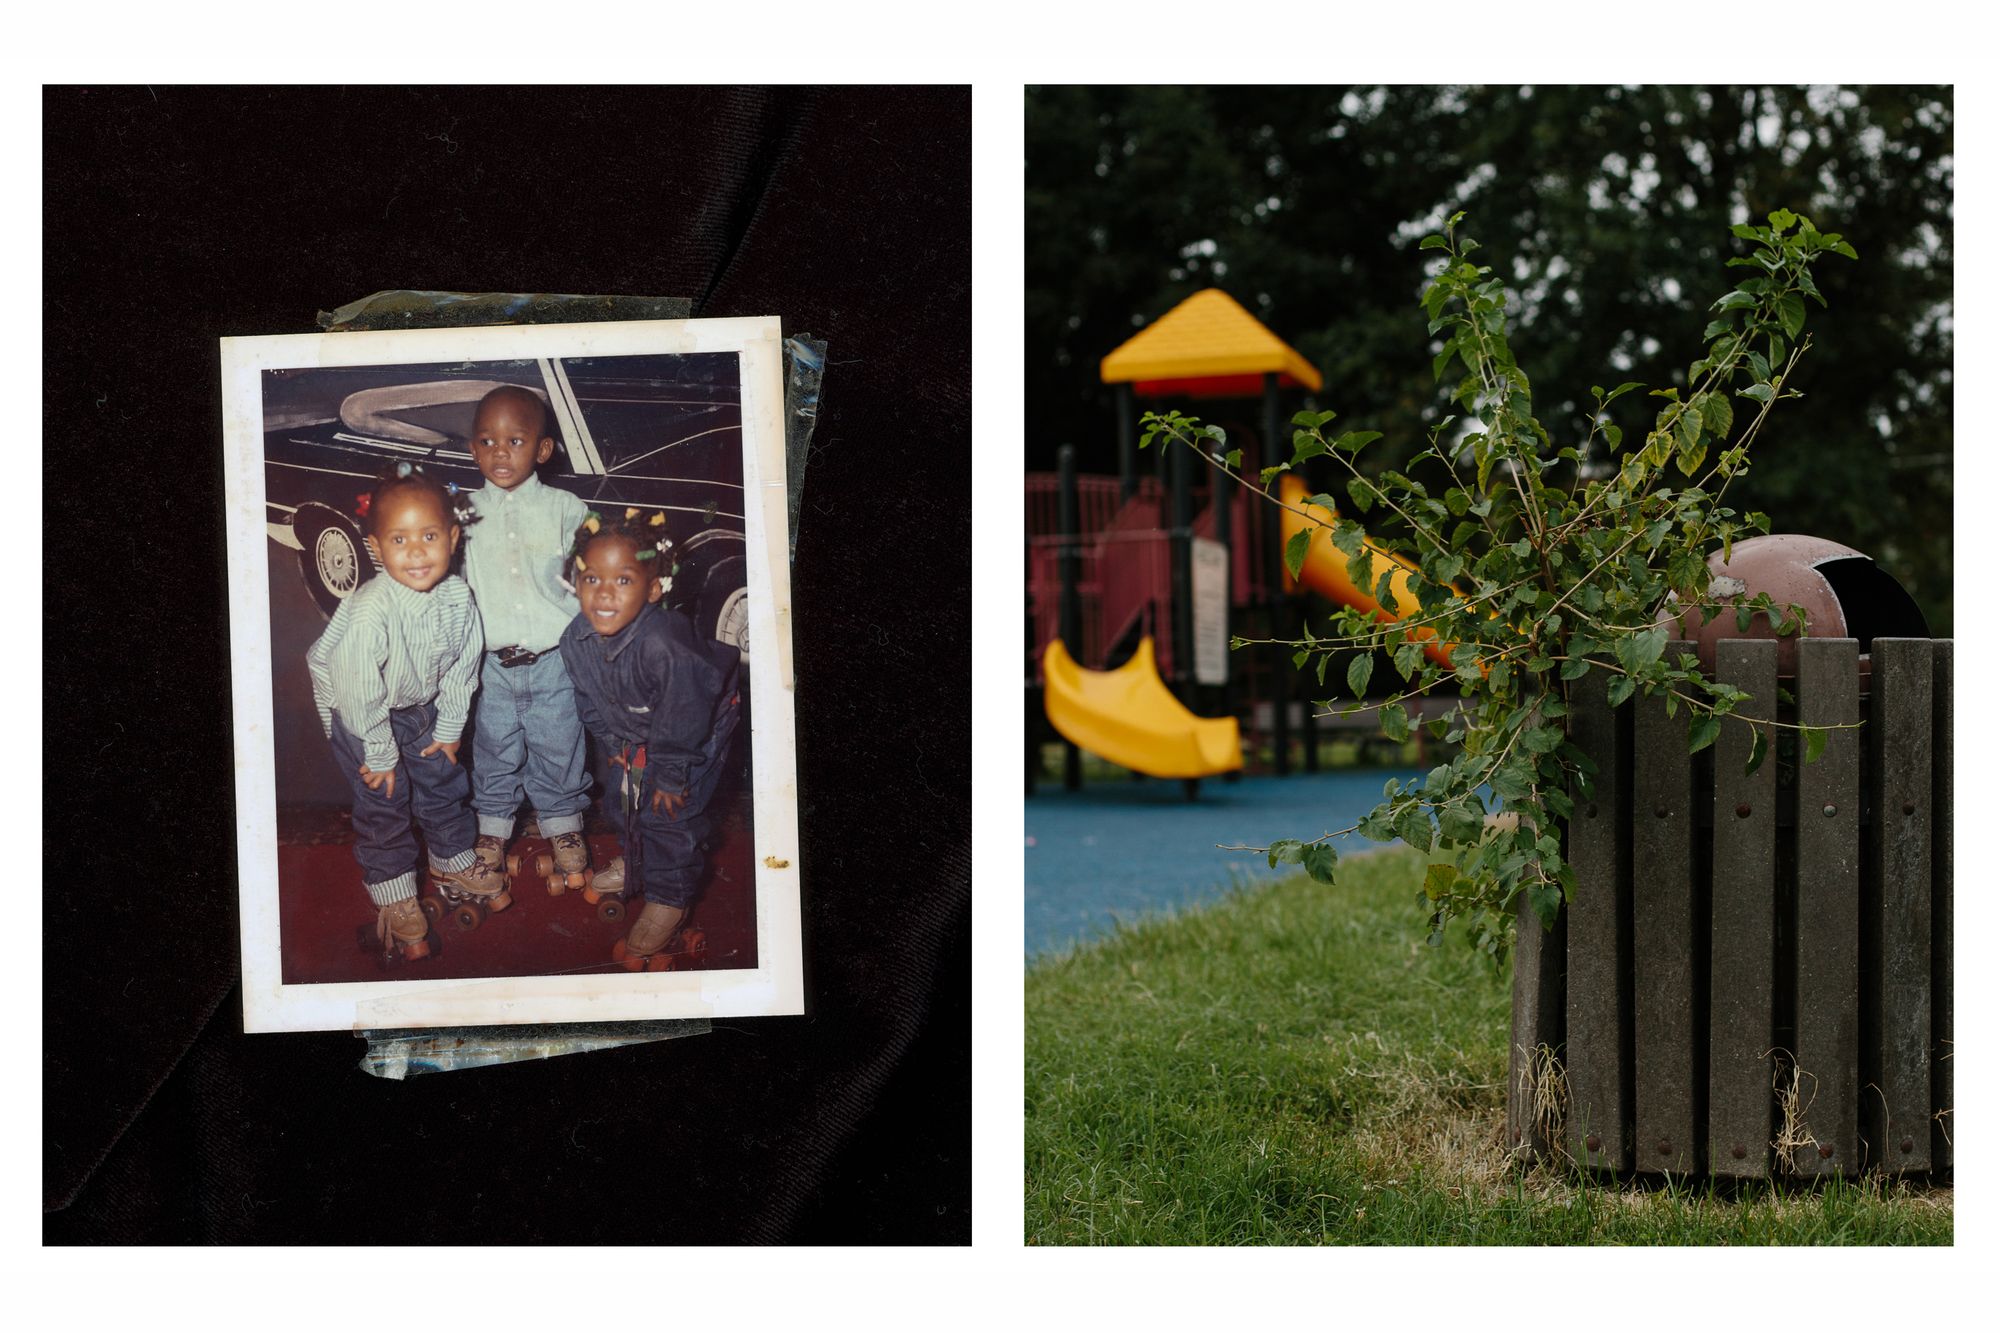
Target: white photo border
776, 984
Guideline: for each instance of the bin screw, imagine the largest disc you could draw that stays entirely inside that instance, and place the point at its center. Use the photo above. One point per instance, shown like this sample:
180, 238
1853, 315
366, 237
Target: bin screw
1827, 809
1737, 1152
1592, 1142
1826, 1150
1743, 810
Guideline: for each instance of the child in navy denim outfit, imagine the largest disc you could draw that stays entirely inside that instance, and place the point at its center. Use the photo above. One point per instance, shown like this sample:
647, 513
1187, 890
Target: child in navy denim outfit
665, 701
527, 740
393, 675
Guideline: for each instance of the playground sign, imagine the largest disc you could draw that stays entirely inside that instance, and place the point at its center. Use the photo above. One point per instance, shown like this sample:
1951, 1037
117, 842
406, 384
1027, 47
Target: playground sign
1210, 619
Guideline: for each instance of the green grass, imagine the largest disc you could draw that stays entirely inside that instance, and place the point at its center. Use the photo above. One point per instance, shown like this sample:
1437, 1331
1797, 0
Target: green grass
1295, 1066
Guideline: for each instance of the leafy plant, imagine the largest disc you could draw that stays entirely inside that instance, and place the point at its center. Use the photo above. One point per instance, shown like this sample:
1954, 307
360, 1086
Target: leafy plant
1543, 568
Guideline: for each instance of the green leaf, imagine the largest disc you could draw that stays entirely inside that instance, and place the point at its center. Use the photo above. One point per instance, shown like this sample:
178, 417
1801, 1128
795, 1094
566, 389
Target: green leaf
1792, 313
1361, 492
1620, 690
1815, 738
1703, 728
1354, 440
1349, 537
1641, 650
1414, 827
1395, 722
1462, 821
1306, 445
1289, 850
1318, 858
1438, 879
1736, 301
1574, 667
1541, 740
1409, 655
1546, 899
1234, 458
1757, 748
1433, 243
1271, 472
1717, 414
1295, 550
1358, 672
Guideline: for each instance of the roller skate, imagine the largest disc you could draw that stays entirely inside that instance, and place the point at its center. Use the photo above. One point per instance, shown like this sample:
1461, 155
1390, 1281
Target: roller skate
493, 852
605, 890
566, 866
659, 938
403, 930
470, 895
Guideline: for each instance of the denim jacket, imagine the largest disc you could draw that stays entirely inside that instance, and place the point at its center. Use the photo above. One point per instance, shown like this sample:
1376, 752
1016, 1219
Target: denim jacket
656, 683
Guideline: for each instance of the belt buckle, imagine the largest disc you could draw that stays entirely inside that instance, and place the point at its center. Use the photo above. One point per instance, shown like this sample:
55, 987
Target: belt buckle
513, 656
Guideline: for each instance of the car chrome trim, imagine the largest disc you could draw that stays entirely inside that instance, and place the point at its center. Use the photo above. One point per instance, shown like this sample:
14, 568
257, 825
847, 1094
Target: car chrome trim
583, 455
670, 444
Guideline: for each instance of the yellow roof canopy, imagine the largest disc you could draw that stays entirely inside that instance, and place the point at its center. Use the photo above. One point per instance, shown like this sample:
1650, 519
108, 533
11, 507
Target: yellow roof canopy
1208, 346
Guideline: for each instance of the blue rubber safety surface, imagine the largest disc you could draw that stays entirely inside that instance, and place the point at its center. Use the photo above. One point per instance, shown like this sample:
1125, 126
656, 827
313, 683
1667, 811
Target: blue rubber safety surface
1121, 849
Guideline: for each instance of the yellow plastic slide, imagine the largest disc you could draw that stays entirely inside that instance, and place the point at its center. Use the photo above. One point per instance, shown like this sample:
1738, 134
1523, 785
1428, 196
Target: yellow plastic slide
1128, 716
1325, 567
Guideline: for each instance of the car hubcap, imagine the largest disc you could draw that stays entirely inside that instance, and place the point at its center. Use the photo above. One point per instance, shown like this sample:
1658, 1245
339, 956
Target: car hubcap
333, 555
733, 624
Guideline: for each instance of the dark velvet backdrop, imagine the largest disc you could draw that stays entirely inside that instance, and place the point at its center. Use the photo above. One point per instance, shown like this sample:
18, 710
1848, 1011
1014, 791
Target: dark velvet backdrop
177, 216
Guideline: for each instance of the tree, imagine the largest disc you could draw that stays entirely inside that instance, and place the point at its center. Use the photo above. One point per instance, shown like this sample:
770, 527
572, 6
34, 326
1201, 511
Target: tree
1612, 205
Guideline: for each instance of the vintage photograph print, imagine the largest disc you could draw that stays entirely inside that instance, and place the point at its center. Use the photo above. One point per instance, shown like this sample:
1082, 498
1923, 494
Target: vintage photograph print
510, 633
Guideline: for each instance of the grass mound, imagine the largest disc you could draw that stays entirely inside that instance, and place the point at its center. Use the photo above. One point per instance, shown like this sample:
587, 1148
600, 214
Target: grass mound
1295, 1066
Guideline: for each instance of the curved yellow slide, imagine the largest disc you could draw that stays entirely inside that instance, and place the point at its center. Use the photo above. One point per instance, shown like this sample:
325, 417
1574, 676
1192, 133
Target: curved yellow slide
1325, 568
1128, 716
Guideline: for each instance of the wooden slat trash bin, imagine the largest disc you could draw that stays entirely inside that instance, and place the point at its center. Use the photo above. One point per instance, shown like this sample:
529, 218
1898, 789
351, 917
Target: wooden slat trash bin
1754, 977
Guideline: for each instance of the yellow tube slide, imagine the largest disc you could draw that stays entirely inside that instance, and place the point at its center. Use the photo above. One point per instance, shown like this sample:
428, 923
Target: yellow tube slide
1325, 568
1128, 716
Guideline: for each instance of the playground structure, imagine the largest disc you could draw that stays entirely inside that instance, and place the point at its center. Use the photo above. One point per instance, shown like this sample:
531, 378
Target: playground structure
1136, 582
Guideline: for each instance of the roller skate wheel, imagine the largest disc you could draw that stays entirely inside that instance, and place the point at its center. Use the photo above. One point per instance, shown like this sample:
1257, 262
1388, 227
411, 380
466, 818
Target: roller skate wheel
500, 901
467, 916
433, 909
660, 962
625, 958
513, 864
556, 886
610, 909
694, 941
545, 865
414, 950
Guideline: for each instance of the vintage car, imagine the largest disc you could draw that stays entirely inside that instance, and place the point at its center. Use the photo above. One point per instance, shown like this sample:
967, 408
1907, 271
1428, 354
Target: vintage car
649, 432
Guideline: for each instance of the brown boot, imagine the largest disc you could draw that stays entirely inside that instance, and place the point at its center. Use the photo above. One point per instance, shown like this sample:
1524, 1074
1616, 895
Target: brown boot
651, 933
492, 852
403, 927
568, 864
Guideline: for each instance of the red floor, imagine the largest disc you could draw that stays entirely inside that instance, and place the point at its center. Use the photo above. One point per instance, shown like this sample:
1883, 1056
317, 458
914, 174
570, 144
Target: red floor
327, 924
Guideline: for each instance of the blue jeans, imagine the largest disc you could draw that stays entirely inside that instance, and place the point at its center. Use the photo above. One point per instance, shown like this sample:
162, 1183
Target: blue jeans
528, 741
672, 852
431, 790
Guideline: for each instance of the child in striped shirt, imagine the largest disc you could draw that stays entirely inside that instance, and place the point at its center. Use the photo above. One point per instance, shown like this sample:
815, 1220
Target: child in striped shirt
393, 676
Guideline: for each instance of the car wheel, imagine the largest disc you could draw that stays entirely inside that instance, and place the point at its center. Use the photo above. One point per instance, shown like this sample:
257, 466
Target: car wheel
721, 605
331, 556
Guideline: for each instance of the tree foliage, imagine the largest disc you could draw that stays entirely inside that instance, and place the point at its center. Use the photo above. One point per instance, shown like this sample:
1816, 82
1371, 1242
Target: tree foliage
1542, 575
1613, 206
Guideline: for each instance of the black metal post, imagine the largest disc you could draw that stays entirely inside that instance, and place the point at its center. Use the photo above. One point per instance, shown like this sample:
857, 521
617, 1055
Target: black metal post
1128, 445
1223, 490
1281, 660
1070, 613
1181, 552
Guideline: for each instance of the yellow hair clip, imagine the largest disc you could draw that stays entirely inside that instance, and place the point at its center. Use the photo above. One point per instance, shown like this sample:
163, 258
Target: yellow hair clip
579, 562
590, 524
631, 513
657, 520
